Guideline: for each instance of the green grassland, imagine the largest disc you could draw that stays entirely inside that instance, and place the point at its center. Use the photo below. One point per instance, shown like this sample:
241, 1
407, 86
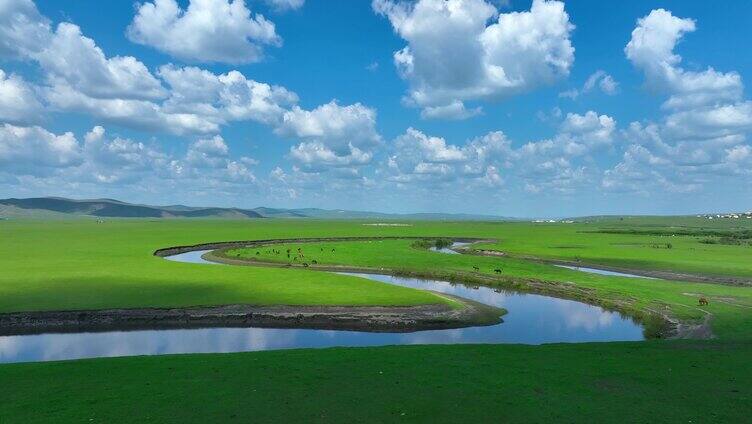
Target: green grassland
646, 382
732, 313
80, 264
600, 243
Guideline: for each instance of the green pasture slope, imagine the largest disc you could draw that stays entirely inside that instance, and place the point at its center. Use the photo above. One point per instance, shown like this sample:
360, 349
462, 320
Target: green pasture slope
642, 243
81, 264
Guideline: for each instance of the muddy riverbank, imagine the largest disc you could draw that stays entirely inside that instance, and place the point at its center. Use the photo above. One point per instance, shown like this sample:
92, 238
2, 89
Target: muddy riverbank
356, 318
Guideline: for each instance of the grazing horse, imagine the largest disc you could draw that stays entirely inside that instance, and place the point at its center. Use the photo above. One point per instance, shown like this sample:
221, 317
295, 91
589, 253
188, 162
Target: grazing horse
475, 268
703, 301
497, 270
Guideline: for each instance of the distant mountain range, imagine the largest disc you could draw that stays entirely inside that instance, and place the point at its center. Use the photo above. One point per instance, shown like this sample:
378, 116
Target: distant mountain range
51, 207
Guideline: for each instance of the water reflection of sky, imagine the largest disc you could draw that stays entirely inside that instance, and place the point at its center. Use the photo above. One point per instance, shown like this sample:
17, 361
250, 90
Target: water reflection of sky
603, 272
532, 319
193, 257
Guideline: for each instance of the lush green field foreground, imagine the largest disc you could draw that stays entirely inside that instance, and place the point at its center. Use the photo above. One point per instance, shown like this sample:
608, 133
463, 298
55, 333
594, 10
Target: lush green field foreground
645, 382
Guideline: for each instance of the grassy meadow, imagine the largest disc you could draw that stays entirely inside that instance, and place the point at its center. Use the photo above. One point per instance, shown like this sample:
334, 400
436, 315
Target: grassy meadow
643, 382
690, 245
81, 264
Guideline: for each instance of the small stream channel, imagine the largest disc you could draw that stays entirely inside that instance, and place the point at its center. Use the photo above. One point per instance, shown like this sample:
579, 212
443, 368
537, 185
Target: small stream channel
603, 272
531, 319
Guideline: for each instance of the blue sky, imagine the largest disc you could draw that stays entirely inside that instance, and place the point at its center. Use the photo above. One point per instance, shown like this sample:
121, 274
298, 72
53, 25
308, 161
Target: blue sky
516, 108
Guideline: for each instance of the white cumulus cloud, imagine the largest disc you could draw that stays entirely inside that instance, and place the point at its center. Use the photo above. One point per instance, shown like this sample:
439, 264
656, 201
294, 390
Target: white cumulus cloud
34, 150
332, 134
702, 136
454, 55
18, 101
206, 31
285, 5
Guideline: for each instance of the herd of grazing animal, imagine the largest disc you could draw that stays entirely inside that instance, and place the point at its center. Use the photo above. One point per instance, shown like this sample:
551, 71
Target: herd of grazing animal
496, 270
702, 301
299, 255
294, 256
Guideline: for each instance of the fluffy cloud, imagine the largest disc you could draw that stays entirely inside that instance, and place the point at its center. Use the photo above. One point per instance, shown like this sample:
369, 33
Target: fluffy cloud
318, 156
41, 158
556, 164
453, 110
564, 163
75, 60
198, 102
207, 31
119, 160
224, 97
34, 150
138, 114
332, 135
18, 101
81, 78
23, 31
420, 158
599, 79
590, 129
209, 158
422, 154
702, 136
721, 120
651, 49
285, 5
453, 56
70, 59
208, 152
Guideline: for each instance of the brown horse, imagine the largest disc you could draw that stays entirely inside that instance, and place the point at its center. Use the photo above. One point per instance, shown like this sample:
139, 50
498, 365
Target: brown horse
703, 301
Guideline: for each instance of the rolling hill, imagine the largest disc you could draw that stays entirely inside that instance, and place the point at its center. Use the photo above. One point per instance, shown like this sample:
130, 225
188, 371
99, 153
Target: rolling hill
58, 207
109, 208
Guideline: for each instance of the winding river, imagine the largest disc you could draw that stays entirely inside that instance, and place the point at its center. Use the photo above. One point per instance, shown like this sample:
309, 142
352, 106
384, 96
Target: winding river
532, 319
